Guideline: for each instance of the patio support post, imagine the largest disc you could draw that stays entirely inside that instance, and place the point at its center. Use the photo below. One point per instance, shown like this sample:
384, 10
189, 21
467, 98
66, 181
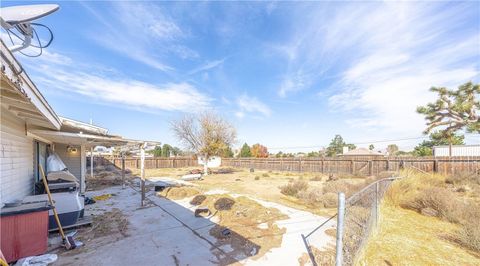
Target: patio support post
91, 162
142, 170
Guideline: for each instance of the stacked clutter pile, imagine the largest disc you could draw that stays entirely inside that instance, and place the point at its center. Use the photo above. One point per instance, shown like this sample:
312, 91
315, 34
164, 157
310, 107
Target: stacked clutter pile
106, 176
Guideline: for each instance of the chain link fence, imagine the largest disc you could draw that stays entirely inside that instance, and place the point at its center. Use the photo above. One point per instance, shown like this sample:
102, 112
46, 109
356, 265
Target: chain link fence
360, 218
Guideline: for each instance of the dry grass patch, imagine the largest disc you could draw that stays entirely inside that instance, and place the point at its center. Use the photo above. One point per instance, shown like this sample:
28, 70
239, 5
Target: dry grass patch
469, 236
407, 224
341, 185
406, 237
322, 257
294, 187
177, 193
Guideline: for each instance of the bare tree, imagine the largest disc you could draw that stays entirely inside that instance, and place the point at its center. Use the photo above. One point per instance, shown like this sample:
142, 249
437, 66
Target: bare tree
206, 134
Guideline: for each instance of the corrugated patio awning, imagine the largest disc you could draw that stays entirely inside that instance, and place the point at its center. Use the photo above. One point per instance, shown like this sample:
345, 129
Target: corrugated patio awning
89, 140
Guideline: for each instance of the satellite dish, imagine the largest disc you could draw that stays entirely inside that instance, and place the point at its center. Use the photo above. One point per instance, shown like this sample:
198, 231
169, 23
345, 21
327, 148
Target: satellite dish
21, 18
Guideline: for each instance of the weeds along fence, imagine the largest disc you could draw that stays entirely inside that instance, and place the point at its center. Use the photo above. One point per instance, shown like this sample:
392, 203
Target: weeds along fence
359, 165
361, 216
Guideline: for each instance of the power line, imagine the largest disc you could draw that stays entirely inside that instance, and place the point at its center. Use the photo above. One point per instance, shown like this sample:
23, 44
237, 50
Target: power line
355, 143
359, 143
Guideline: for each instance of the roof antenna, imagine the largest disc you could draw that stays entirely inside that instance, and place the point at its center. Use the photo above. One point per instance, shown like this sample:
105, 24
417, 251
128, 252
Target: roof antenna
20, 18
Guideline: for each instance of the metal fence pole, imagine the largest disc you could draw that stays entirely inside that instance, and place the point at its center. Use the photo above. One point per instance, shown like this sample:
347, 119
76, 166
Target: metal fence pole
377, 203
340, 220
123, 170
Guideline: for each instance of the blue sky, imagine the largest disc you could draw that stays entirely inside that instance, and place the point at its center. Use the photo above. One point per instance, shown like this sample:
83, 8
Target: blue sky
286, 74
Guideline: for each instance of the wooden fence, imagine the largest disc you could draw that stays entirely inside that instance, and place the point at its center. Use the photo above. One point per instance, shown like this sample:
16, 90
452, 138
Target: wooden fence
353, 165
150, 163
359, 165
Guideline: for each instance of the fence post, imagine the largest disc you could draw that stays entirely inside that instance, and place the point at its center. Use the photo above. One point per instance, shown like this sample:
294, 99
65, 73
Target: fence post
340, 220
435, 165
376, 203
123, 171
370, 167
353, 167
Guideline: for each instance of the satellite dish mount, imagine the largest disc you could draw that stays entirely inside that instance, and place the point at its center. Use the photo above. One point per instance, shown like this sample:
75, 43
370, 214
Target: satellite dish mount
21, 19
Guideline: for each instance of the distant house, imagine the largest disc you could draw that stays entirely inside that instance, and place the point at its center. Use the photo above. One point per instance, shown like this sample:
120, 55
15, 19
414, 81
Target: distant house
457, 150
213, 161
362, 152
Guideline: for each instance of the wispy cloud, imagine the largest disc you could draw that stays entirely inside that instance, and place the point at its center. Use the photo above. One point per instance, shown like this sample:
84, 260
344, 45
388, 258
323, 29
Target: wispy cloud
138, 29
376, 61
207, 66
248, 104
383, 86
118, 90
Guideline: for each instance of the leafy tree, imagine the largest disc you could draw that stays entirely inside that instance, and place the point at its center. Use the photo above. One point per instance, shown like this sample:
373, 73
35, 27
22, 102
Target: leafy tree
392, 149
336, 146
167, 150
177, 151
205, 134
259, 151
313, 154
279, 154
245, 151
454, 110
371, 147
157, 152
436, 139
227, 153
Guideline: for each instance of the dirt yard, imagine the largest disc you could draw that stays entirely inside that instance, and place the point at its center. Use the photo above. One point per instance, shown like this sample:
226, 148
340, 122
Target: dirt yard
266, 185
254, 219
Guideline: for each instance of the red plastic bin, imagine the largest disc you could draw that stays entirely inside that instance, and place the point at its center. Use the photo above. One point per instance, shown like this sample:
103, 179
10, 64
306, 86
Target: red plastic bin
24, 230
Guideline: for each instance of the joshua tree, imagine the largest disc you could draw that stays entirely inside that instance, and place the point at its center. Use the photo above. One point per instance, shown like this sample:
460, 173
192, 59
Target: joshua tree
205, 134
454, 110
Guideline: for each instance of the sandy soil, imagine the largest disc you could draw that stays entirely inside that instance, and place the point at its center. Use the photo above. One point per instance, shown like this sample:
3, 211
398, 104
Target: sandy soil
154, 237
264, 185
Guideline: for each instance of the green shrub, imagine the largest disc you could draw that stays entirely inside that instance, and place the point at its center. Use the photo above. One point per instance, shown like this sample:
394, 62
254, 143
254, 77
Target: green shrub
265, 175
257, 177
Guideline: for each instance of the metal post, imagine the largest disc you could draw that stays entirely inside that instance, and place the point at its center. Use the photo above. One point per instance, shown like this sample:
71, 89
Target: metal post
123, 170
142, 171
376, 204
91, 162
340, 220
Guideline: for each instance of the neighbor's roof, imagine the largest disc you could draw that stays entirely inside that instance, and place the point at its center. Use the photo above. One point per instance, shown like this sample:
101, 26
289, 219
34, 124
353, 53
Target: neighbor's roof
75, 126
362, 151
